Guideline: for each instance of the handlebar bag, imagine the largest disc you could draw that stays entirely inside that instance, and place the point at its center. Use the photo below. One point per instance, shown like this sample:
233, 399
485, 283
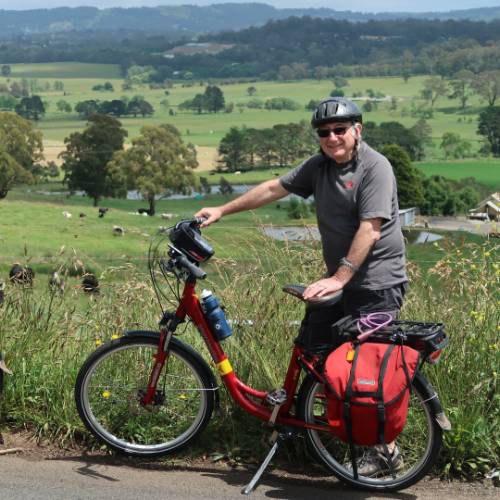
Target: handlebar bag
368, 390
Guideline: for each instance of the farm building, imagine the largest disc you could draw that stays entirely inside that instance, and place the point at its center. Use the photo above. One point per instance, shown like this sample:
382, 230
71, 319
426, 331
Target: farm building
407, 216
488, 209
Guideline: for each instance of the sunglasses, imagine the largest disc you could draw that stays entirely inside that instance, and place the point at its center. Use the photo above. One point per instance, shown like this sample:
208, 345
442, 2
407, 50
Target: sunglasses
326, 132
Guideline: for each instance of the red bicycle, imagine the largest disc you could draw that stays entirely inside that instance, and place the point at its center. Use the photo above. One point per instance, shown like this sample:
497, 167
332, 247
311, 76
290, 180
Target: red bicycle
149, 394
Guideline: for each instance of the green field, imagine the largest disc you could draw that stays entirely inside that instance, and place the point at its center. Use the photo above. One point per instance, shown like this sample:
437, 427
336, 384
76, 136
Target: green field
484, 171
208, 129
46, 337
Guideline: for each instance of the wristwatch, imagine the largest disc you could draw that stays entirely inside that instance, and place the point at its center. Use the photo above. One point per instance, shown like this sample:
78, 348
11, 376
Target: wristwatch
347, 263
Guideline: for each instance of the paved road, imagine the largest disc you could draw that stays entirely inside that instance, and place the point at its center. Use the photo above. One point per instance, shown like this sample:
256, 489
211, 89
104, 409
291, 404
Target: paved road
81, 478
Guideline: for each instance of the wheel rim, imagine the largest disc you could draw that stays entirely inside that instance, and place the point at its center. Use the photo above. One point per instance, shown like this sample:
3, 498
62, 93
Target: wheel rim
415, 443
112, 389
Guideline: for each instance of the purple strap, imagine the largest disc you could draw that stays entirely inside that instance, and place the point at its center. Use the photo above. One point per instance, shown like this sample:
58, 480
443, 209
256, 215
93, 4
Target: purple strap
371, 323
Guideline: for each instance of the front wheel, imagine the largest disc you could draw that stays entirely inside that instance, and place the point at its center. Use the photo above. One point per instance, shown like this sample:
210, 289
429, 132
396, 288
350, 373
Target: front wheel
112, 382
418, 444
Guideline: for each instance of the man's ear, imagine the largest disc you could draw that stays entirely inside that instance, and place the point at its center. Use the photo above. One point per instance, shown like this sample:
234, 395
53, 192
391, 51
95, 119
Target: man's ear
358, 127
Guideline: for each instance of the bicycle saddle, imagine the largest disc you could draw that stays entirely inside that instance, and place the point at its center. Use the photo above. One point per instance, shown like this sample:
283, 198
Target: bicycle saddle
326, 301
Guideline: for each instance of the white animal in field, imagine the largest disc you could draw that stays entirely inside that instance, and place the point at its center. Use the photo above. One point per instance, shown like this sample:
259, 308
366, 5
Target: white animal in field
67, 215
118, 231
167, 216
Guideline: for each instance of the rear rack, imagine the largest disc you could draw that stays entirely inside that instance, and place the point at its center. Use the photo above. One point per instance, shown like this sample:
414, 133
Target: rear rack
424, 337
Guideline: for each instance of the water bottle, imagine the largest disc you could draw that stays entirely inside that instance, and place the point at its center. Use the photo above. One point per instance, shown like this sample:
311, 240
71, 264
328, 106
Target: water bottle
215, 315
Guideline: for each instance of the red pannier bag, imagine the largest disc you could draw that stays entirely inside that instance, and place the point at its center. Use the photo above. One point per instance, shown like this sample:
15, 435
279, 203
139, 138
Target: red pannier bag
368, 390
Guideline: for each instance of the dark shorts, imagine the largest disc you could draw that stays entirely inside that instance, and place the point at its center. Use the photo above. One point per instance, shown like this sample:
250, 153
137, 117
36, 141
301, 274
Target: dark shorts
316, 332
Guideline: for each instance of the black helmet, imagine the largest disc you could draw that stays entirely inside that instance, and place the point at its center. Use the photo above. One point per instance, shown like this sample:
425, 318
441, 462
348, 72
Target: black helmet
336, 109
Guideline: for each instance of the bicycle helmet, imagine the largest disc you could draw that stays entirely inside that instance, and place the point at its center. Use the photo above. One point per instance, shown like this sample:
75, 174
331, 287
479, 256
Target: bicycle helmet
336, 109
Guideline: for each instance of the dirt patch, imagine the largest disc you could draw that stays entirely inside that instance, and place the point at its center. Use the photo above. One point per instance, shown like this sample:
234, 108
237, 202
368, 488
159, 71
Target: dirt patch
207, 156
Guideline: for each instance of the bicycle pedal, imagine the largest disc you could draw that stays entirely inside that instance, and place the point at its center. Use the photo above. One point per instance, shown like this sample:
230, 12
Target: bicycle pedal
276, 397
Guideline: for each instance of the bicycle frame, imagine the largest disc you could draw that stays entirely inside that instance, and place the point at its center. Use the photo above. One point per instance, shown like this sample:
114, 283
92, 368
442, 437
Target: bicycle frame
190, 306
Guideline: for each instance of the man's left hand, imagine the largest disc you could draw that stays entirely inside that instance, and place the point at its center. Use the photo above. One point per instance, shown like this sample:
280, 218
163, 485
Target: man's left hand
322, 287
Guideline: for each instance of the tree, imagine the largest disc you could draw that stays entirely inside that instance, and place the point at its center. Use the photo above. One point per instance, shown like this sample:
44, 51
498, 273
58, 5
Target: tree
59, 85
214, 99
116, 107
340, 81
87, 154
157, 164
454, 146
21, 147
461, 86
232, 150
206, 188
312, 105
434, 87
139, 106
6, 70
86, 108
297, 209
63, 106
281, 103
31, 108
408, 177
394, 133
489, 128
251, 91
337, 93
225, 187
7, 102
487, 85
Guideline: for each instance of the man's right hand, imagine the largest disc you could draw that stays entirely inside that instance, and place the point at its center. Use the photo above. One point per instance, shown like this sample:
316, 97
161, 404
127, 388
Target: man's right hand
211, 214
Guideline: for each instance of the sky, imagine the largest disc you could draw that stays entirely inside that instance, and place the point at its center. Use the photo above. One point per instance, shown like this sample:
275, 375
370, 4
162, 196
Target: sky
358, 6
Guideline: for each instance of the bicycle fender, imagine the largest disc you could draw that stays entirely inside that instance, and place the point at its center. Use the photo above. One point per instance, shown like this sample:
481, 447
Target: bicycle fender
186, 347
432, 397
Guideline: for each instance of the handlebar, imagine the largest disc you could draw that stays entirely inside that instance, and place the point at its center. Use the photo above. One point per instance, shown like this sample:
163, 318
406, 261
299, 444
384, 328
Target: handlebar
194, 270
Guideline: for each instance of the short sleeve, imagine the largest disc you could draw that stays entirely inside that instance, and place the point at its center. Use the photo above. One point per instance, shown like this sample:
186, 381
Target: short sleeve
377, 191
301, 179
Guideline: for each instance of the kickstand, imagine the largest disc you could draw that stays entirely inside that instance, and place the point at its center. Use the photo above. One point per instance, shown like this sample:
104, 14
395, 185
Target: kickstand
277, 439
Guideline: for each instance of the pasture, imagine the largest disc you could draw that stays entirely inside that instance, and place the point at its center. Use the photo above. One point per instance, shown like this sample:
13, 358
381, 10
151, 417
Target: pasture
208, 129
46, 337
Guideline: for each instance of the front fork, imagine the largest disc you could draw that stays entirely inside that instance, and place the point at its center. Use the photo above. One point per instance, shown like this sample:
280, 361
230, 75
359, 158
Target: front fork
169, 324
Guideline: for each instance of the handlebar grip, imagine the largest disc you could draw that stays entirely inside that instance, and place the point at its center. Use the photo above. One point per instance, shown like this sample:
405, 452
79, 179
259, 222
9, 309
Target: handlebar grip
194, 270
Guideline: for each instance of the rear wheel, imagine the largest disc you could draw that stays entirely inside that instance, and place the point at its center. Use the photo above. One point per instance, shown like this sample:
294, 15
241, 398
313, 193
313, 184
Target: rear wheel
113, 380
418, 444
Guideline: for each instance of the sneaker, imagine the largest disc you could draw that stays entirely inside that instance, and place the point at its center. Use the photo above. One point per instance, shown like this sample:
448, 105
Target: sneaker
374, 463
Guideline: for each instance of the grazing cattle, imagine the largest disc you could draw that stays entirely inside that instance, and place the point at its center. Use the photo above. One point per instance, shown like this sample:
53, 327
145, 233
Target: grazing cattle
56, 283
21, 275
118, 231
102, 211
82, 215
167, 216
67, 215
90, 283
143, 211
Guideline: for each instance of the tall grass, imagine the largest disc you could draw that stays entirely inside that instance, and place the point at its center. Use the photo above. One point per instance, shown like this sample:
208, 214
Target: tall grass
46, 338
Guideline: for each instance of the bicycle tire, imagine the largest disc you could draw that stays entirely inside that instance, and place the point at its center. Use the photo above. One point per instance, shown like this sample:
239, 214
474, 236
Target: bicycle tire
333, 454
112, 380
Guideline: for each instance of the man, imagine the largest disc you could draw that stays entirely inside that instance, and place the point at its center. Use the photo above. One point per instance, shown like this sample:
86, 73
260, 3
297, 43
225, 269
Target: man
357, 211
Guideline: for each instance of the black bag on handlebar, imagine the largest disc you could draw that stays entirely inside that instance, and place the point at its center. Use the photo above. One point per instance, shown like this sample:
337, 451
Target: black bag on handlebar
186, 237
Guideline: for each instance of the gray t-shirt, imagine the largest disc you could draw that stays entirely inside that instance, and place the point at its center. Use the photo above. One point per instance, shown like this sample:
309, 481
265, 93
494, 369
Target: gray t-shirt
364, 188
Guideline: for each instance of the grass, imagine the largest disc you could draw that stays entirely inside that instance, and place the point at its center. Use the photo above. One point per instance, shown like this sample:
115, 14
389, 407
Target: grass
208, 129
485, 171
46, 337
